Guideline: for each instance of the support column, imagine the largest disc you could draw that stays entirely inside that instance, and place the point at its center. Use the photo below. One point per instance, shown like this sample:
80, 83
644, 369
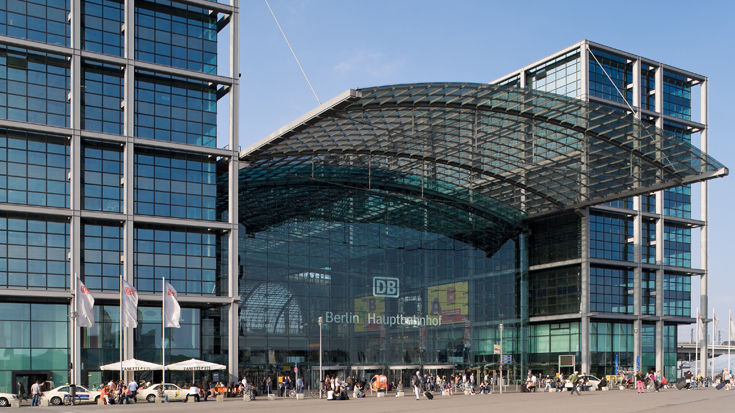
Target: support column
525, 346
75, 235
703, 234
233, 269
129, 169
660, 281
584, 305
584, 69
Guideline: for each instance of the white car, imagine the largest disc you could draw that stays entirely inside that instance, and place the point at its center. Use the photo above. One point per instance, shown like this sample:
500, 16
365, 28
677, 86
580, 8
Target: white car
174, 393
5, 399
56, 396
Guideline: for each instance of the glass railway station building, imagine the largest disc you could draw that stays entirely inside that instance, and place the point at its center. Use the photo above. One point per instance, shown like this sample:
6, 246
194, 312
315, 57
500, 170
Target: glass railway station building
413, 219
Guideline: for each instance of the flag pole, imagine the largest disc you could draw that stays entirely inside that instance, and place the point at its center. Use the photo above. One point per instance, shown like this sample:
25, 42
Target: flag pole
121, 327
75, 313
714, 317
696, 343
729, 338
163, 329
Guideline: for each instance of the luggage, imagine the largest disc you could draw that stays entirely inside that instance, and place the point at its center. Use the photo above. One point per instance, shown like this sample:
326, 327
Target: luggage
681, 384
720, 386
429, 395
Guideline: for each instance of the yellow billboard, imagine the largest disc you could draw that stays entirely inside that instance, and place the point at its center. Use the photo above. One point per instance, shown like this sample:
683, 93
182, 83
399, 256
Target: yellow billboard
450, 301
370, 311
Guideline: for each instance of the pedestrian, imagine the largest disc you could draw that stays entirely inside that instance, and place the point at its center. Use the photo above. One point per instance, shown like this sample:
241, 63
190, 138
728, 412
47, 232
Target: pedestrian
299, 385
639, 382
193, 392
133, 389
416, 383
574, 379
21, 391
35, 394
161, 394
205, 388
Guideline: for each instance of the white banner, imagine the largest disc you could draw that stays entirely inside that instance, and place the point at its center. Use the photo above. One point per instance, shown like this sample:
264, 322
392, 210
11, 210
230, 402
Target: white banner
129, 305
732, 330
171, 304
700, 326
85, 305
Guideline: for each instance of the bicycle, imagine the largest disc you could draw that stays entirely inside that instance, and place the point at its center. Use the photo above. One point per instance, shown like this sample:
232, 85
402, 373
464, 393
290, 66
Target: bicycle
68, 400
313, 393
291, 393
249, 392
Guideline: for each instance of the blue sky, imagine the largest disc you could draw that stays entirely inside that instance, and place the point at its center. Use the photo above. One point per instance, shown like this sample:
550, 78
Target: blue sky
352, 44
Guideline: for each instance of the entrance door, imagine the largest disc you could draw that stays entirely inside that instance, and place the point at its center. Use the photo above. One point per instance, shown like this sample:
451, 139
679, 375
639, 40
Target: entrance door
27, 378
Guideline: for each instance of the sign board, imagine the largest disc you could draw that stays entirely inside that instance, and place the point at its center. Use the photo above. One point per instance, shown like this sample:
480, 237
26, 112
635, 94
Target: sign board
215, 377
507, 359
496, 349
567, 361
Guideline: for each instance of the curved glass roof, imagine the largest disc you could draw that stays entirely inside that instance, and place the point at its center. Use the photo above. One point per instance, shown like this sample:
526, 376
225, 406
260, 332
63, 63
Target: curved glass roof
476, 152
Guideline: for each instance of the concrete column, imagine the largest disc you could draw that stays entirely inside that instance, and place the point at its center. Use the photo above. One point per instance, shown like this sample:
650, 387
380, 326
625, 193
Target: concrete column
584, 71
636, 103
129, 166
637, 274
703, 234
525, 346
74, 174
660, 281
233, 191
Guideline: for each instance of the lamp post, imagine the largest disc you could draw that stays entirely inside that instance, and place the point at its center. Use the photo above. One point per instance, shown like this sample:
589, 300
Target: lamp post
321, 371
500, 327
73, 316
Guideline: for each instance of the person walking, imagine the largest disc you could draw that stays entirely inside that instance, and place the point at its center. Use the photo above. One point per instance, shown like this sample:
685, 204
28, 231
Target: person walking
574, 379
205, 388
639, 382
36, 394
21, 391
416, 383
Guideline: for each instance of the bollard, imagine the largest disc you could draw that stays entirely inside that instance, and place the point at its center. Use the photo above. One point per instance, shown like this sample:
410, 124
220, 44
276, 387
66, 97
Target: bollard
14, 403
158, 400
246, 398
271, 396
220, 397
381, 394
299, 396
400, 394
43, 402
466, 392
100, 401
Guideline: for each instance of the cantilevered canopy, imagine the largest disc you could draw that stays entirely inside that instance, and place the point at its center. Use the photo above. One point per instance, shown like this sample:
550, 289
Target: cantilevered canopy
499, 153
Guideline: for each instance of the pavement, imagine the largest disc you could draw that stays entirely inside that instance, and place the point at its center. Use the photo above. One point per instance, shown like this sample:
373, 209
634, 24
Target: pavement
626, 401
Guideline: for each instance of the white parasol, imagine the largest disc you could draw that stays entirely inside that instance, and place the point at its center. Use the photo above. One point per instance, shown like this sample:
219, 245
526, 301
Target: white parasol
132, 365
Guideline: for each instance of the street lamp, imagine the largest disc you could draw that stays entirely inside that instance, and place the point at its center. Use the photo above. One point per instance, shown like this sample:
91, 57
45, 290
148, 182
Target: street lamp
321, 370
73, 316
500, 327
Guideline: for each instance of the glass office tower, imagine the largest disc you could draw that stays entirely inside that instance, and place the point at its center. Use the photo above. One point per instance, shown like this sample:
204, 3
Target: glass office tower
635, 268
110, 160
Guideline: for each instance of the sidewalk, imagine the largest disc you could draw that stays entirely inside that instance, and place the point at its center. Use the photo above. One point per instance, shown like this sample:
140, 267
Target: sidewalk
670, 401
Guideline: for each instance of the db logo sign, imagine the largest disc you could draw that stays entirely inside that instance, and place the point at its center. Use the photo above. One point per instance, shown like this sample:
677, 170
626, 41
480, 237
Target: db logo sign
385, 287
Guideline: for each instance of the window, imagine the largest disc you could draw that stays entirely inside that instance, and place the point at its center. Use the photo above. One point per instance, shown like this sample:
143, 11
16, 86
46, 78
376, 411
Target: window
37, 20
34, 168
102, 96
611, 290
560, 76
175, 109
619, 70
34, 87
102, 22
33, 252
175, 184
555, 291
101, 252
175, 34
102, 168
677, 96
677, 295
677, 246
611, 237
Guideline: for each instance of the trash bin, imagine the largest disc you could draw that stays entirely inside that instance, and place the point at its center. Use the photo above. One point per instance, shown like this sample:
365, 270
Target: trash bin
73, 393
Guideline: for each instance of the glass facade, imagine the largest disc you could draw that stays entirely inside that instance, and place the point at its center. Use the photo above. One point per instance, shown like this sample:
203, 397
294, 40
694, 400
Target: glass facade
186, 257
610, 290
101, 252
38, 20
560, 75
611, 237
34, 336
33, 252
175, 109
175, 184
177, 35
102, 22
34, 169
102, 166
34, 87
102, 97
619, 69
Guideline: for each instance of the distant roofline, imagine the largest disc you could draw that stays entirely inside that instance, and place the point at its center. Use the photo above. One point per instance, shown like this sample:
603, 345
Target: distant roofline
613, 50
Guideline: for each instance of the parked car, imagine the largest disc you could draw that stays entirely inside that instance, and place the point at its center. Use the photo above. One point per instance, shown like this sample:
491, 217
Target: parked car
174, 392
56, 396
591, 381
5, 399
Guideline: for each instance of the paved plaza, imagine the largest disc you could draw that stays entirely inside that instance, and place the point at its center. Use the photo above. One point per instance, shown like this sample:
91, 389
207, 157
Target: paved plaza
671, 400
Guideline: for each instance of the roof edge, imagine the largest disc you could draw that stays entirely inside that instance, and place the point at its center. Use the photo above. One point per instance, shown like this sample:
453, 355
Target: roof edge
348, 95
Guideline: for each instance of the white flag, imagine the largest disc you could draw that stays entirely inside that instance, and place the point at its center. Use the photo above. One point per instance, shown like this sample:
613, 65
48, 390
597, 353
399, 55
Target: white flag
85, 305
732, 330
714, 317
129, 305
173, 310
700, 326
